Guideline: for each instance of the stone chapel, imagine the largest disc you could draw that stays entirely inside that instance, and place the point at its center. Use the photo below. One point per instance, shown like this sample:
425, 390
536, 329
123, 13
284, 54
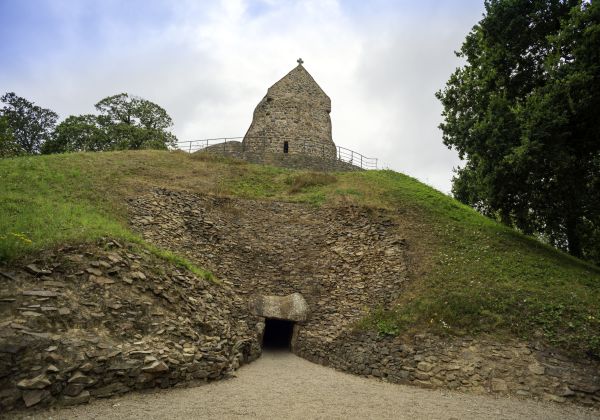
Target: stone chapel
293, 118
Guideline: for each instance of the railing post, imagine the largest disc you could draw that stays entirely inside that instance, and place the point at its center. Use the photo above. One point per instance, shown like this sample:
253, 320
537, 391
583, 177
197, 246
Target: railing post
190, 147
361, 162
352, 157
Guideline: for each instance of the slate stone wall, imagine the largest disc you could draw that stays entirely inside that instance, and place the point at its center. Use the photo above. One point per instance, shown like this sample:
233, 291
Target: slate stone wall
472, 365
342, 260
345, 260
96, 321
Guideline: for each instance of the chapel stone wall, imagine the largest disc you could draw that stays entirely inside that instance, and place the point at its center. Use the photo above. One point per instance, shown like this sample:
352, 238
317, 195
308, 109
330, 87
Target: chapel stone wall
293, 118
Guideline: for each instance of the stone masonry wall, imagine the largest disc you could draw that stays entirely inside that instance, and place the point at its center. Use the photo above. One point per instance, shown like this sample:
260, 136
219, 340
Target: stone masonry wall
466, 364
344, 261
294, 110
235, 150
99, 320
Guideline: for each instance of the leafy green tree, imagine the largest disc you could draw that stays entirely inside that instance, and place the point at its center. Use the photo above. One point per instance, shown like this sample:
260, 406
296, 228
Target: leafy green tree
521, 113
132, 110
82, 133
125, 136
136, 123
125, 122
30, 124
562, 134
8, 145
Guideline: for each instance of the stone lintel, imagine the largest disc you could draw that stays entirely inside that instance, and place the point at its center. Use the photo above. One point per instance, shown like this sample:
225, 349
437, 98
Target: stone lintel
291, 307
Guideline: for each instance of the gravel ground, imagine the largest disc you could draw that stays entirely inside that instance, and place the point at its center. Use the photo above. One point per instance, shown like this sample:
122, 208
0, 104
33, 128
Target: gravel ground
284, 386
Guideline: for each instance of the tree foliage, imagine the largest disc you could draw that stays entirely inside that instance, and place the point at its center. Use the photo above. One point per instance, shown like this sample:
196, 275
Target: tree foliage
135, 111
81, 133
8, 145
135, 123
522, 112
125, 122
131, 122
30, 124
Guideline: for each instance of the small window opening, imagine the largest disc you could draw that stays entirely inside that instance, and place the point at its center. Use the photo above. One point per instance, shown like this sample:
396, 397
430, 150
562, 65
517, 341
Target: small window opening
286, 147
278, 334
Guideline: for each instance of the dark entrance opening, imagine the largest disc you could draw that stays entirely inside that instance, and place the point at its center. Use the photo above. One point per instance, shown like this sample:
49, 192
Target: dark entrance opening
278, 334
286, 147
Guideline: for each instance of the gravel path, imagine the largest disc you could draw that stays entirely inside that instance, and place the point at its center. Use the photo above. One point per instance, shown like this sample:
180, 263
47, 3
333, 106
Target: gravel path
283, 386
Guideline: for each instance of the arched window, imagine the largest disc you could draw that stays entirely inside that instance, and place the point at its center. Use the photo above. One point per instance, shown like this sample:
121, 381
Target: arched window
286, 147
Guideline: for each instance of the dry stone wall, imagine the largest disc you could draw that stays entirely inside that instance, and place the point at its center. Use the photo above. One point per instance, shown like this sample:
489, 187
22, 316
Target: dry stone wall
295, 161
98, 320
466, 364
95, 321
344, 261
295, 111
300, 161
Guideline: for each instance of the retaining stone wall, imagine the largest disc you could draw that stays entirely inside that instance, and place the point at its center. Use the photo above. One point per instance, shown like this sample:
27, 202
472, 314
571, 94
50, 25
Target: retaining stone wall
96, 321
317, 162
344, 261
471, 365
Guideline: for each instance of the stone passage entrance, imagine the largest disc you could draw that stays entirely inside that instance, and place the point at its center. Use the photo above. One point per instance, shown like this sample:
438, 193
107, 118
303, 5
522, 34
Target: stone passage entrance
280, 314
278, 334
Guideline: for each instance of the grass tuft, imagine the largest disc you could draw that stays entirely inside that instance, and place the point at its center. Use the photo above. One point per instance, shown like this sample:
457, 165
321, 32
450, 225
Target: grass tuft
181, 262
305, 180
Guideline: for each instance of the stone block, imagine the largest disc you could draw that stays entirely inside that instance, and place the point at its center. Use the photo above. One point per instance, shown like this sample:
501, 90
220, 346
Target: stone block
82, 398
39, 382
291, 307
33, 397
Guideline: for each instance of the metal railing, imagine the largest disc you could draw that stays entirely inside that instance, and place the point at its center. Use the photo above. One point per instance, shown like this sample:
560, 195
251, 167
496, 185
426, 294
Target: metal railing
196, 145
228, 144
355, 158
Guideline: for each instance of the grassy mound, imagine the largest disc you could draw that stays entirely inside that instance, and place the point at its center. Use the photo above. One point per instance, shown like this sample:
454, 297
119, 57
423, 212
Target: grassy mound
470, 275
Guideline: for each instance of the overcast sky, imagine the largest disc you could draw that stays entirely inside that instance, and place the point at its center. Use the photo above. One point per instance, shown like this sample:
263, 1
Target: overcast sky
209, 63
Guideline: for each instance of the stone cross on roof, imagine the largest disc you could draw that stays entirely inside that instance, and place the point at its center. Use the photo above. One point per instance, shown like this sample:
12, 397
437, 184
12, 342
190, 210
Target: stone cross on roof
300, 61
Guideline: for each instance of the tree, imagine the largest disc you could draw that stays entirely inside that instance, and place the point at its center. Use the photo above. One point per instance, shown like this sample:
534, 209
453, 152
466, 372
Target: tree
30, 124
125, 136
82, 133
8, 145
521, 113
136, 123
132, 110
561, 117
125, 122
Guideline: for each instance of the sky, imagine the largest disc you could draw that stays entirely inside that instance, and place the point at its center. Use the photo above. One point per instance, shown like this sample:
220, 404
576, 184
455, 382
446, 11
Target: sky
209, 63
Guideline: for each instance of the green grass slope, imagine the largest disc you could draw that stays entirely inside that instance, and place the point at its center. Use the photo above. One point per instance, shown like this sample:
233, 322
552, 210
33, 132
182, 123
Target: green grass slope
470, 275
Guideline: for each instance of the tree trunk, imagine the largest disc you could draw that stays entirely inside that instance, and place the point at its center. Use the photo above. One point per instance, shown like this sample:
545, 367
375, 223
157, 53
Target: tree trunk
573, 236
